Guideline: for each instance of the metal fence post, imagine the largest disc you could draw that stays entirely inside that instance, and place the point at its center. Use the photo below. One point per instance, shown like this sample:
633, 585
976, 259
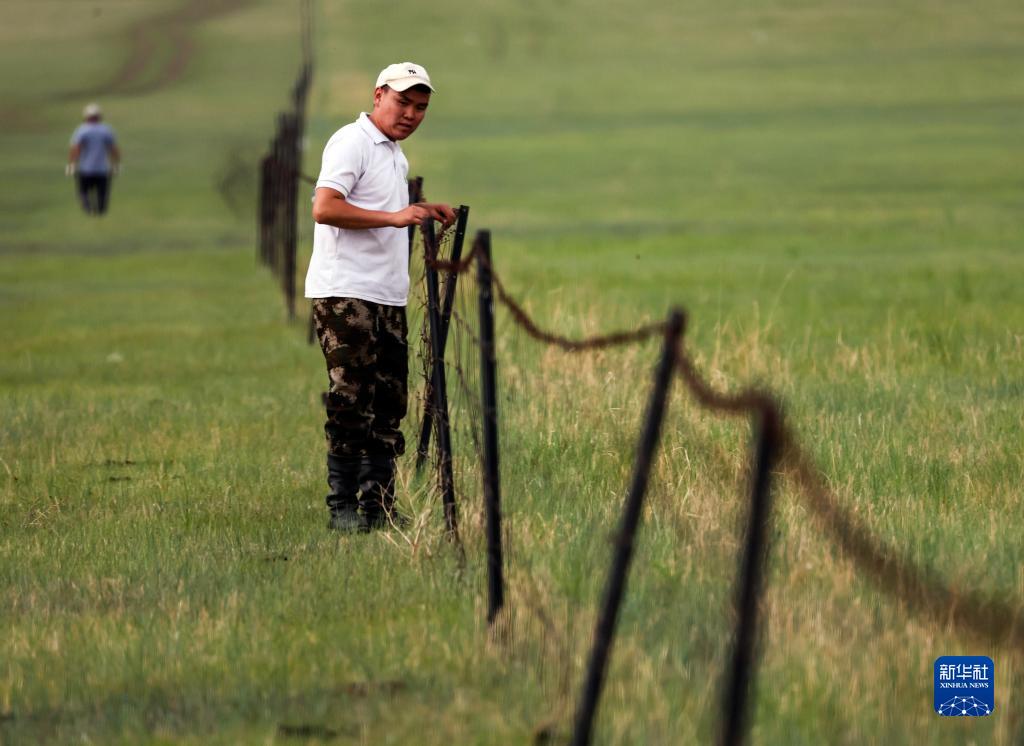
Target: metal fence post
291, 195
489, 397
615, 586
265, 196
446, 480
740, 678
415, 195
423, 448
280, 171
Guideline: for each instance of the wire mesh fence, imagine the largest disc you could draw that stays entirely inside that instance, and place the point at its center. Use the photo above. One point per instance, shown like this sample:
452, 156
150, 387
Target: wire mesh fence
460, 425
775, 453
279, 174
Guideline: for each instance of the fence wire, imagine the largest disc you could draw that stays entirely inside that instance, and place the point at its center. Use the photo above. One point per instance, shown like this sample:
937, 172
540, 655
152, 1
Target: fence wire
997, 621
280, 171
988, 619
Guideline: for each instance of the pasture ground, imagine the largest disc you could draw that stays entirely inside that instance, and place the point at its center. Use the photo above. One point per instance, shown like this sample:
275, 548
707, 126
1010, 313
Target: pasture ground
832, 191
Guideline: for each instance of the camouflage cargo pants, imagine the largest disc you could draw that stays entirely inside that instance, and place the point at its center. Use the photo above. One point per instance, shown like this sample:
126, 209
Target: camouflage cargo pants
365, 347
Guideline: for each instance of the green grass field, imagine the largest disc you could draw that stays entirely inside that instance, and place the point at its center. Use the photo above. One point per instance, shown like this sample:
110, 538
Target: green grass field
834, 193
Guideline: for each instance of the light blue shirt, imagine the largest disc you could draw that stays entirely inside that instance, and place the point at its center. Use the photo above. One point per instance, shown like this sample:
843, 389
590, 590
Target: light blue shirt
95, 140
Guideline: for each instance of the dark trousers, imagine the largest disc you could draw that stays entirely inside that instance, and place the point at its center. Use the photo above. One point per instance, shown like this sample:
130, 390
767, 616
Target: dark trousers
94, 192
367, 355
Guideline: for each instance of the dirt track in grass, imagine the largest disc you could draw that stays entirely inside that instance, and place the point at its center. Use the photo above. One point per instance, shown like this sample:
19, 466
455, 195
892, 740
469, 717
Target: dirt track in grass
160, 48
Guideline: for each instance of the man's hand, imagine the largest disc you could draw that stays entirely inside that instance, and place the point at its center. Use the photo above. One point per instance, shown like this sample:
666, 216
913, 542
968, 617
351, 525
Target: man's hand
331, 208
69, 169
417, 213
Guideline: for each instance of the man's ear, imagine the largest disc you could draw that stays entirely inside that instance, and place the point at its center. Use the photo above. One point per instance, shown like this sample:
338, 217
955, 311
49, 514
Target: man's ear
378, 94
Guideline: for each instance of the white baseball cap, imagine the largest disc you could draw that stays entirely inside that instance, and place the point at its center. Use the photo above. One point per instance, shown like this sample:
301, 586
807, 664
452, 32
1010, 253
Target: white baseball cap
403, 75
92, 110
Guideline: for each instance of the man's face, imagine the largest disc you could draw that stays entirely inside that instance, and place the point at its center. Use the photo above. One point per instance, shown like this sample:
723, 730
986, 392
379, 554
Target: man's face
397, 114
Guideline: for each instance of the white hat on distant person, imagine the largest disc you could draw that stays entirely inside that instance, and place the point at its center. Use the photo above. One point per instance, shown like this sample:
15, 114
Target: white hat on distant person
92, 110
403, 75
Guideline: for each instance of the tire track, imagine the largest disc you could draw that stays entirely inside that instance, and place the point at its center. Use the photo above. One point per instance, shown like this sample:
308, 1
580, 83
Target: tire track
161, 47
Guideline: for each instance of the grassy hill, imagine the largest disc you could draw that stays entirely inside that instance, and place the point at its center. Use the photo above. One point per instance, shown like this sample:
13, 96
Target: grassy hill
832, 191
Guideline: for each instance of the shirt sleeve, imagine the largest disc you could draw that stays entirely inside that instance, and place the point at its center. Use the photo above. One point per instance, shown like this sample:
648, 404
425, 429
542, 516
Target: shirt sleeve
76, 136
342, 163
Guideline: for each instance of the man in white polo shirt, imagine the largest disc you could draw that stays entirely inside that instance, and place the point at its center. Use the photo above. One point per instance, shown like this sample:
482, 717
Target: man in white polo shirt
358, 279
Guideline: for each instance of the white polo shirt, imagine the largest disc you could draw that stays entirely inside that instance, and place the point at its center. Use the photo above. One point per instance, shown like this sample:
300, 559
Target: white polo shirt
371, 172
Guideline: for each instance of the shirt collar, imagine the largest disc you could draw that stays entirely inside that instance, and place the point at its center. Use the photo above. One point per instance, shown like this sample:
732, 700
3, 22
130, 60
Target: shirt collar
371, 129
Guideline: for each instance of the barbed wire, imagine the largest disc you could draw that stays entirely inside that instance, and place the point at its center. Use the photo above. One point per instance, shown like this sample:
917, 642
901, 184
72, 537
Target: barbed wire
466, 327
980, 616
574, 345
445, 265
917, 586
612, 339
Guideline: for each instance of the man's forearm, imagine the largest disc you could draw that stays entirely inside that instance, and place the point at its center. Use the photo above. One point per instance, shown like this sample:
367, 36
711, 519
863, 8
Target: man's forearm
349, 216
330, 208
338, 212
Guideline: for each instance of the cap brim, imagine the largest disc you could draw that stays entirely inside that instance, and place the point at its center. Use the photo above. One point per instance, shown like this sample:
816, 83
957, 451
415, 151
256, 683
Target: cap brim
404, 84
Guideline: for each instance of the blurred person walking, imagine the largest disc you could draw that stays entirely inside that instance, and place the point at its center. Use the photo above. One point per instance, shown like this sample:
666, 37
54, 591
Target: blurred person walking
358, 280
93, 160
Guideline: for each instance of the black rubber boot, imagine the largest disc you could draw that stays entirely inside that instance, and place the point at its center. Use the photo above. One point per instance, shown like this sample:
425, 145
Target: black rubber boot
377, 482
343, 500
